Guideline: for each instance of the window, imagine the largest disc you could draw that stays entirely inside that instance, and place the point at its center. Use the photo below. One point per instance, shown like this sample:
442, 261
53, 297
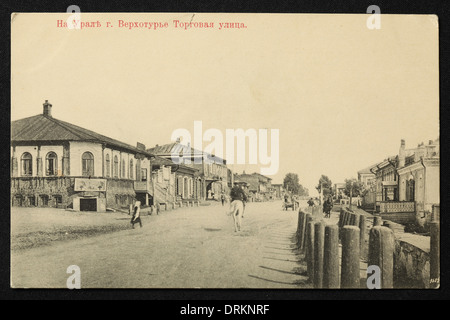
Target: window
131, 169
58, 200
87, 160
50, 164
108, 165
31, 201
122, 175
143, 174
410, 190
27, 162
116, 167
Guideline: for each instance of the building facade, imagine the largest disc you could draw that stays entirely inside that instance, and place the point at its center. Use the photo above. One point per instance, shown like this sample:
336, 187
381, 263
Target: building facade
407, 185
367, 178
210, 175
58, 164
419, 177
259, 186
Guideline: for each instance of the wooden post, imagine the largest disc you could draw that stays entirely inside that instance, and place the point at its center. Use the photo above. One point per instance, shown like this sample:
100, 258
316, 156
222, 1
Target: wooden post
381, 254
319, 235
377, 221
309, 248
308, 218
347, 219
331, 257
301, 229
435, 214
435, 268
354, 219
341, 218
362, 235
350, 273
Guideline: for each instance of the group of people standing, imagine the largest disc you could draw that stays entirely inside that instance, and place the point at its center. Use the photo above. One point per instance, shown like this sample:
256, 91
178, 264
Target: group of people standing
327, 205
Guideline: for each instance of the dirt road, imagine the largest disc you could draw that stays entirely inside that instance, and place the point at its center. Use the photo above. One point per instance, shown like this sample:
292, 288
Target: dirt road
184, 248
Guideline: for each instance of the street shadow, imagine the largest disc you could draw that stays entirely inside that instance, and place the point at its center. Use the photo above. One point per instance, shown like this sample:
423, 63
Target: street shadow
302, 271
282, 271
284, 249
292, 253
303, 283
211, 229
286, 260
288, 244
274, 281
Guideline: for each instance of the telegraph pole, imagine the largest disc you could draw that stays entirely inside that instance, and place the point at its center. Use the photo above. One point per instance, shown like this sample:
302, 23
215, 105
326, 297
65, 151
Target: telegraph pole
351, 194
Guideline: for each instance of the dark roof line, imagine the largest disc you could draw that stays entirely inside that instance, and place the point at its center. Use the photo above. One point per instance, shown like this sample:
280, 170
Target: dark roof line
76, 131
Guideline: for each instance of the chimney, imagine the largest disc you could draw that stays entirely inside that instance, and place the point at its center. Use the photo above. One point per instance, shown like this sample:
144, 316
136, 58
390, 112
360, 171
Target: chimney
401, 154
47, 109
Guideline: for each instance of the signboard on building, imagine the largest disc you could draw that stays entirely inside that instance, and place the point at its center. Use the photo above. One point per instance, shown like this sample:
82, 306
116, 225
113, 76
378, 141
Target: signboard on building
82, 184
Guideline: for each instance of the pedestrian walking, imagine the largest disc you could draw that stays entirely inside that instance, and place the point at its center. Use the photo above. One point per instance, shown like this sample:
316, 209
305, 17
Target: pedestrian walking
136, 215
311, 202
222, 197
327, 206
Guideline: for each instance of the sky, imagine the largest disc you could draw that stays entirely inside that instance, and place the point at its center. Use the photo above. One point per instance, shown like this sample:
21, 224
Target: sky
341, 95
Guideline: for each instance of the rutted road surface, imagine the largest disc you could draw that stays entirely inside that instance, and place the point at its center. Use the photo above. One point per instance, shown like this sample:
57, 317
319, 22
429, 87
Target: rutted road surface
184, 248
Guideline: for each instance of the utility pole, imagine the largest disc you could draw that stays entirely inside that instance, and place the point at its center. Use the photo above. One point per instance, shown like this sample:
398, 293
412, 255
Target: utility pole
351, 194
321, 194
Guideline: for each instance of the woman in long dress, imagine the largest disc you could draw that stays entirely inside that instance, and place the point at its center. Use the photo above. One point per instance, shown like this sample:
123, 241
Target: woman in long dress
136, 218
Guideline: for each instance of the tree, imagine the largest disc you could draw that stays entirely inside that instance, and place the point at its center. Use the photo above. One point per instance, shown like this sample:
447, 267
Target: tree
325, 184
291, 183
355, 186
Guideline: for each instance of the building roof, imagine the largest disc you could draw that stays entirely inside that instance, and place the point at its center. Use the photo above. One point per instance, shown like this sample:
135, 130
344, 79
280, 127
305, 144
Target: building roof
367, 170
177, 148
46, 128
251, 180
262, 176
160, 161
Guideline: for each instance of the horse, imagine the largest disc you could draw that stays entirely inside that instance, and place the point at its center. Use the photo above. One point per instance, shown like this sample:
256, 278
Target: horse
237, 211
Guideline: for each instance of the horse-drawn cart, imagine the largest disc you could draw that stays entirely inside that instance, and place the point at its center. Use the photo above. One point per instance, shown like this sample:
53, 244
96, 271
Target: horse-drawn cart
289, 204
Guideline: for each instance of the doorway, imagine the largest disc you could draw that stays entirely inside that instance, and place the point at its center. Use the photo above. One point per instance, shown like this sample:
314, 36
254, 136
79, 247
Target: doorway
88, 204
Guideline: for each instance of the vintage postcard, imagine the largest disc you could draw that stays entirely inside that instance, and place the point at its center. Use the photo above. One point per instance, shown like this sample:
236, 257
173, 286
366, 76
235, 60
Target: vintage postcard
219, 150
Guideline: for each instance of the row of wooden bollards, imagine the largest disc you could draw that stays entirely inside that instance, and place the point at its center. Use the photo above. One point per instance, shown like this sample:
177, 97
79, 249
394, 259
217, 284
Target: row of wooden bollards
171, 206
328, 269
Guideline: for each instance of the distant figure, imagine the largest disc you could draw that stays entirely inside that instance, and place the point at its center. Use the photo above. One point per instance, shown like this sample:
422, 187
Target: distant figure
327, 206
222, 197
136, 218
310, 202
158, 208
237, 193
236, 211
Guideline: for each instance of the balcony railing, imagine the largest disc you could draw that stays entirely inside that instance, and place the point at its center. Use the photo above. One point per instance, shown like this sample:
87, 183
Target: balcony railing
397, 206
